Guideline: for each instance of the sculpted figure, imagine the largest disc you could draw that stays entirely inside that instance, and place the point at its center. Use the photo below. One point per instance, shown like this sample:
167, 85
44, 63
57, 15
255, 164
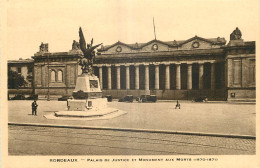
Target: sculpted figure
236, 34
44, 47
75, 45
86, 61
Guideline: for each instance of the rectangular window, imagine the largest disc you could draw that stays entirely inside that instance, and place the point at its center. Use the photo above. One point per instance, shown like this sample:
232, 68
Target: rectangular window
29, 70
19, 69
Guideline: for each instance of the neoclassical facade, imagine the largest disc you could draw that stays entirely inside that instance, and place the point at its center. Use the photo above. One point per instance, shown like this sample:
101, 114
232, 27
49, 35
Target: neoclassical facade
188, 69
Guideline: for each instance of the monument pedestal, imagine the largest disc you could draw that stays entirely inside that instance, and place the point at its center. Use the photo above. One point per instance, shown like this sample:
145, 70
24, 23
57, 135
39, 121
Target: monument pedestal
85, 105
88, 103
87, 86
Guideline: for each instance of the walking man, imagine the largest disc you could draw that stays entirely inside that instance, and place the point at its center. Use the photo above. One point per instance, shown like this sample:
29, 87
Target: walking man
34, 107
178, 105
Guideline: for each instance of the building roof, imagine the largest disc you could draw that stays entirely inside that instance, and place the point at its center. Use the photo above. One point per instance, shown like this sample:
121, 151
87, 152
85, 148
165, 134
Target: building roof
28, 60
215, 51
214, 41
58, 54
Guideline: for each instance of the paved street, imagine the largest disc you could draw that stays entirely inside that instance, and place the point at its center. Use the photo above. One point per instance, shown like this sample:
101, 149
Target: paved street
216, 118
28, 140
220, 118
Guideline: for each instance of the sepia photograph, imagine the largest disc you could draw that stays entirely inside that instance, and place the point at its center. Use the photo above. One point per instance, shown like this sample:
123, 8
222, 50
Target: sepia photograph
122, 83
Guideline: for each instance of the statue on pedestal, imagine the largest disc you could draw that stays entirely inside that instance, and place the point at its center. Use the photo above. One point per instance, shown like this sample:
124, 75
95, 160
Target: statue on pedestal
86, 62
44, 47
87, 102
87, 85
75, 45
236, 34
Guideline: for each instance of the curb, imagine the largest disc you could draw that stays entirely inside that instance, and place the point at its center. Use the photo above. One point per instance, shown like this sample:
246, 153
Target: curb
209, 102
136, 130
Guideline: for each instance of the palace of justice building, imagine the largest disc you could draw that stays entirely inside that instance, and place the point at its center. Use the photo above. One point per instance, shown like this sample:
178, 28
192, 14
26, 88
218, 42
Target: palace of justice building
183, 70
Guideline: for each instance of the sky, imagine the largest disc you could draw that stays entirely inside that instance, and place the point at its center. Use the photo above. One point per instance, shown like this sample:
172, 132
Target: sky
27, 23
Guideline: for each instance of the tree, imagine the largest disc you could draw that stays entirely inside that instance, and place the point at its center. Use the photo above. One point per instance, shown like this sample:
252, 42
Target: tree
15, 80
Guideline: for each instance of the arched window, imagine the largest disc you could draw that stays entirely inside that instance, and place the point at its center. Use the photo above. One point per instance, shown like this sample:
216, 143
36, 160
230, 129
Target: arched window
52, 75
60, 75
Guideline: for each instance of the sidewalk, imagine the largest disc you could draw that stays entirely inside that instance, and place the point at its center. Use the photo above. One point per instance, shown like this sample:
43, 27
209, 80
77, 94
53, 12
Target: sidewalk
208, 118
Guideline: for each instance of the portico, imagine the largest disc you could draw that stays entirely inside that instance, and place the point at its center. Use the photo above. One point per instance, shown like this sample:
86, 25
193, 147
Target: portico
168, 76
175, 76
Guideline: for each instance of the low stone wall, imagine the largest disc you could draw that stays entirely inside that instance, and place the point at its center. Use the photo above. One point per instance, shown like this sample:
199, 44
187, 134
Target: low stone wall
122, 93
219, 94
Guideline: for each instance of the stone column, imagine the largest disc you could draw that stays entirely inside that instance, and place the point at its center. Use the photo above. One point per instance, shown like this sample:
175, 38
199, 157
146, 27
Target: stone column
118, 77
137, 77
212, 76
146, 82
127, 77
109, 78
178, 76
157, 84
100, 77
201, 76
189, 77
167, 76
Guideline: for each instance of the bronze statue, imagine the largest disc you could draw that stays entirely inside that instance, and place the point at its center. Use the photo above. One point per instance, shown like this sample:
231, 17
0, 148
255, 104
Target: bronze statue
236, 34
86, 62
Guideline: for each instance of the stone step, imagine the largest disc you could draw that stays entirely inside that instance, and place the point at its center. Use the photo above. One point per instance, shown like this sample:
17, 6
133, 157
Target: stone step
110, 113
242, 100
88, 113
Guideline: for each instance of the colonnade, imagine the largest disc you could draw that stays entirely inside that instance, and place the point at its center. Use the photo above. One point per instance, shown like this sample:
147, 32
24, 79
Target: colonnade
156, 75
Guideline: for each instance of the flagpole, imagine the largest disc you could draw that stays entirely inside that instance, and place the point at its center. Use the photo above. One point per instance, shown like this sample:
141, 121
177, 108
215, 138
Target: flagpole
154, 29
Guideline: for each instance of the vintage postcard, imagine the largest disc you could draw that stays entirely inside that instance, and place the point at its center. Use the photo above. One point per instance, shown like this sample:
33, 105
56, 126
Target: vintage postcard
127, 83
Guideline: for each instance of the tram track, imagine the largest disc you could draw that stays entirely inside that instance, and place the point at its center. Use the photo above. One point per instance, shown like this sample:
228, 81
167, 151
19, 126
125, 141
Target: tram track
125, 138
131, 142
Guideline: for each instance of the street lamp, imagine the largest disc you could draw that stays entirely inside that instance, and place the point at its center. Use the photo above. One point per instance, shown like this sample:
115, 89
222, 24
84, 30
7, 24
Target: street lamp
48, 96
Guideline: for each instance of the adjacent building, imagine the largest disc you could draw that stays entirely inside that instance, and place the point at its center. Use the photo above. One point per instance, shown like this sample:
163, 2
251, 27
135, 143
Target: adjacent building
23, 67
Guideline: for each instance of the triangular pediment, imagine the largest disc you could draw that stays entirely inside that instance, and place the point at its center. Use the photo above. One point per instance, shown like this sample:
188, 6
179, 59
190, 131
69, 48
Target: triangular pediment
199, 43
119, 43
117, 47
157, 45
154, 45
195, 38
158, 42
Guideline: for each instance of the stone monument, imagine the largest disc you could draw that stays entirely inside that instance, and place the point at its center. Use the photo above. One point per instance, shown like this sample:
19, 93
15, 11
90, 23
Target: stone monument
87, 99
236, 38
87, 93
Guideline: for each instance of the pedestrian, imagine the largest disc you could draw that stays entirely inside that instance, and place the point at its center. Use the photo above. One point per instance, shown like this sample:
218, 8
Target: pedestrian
34, 108
178, 105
